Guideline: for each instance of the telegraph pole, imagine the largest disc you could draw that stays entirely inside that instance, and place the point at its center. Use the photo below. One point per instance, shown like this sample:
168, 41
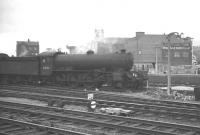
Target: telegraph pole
169, 36
156, 61
169, 68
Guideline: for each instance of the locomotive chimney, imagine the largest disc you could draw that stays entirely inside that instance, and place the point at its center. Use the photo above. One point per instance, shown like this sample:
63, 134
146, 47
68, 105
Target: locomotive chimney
123, 51
139, 34
90, 52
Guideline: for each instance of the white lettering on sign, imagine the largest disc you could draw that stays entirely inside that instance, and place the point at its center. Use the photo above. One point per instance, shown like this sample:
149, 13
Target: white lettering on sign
45, 67
177, 47
90, 96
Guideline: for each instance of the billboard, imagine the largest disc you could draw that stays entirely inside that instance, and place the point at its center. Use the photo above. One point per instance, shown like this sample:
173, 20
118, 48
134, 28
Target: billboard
180, 55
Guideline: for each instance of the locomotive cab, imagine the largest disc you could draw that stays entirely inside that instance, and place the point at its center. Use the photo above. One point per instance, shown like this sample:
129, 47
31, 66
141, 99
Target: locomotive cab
46, 67
46, 63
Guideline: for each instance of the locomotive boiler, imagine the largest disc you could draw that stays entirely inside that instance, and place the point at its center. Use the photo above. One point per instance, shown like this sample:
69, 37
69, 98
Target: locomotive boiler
84, 70
108, 62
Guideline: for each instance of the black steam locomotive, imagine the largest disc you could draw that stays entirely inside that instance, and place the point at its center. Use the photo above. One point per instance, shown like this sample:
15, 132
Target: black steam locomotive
72, 69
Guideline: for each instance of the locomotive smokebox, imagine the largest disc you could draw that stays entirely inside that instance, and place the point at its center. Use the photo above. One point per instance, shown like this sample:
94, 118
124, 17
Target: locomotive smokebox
123, 51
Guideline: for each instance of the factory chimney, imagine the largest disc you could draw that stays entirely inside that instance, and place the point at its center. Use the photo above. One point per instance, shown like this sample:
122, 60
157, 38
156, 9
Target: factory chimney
139, 34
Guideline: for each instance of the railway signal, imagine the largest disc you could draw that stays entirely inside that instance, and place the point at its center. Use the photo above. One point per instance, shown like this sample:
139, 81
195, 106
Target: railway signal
91, 103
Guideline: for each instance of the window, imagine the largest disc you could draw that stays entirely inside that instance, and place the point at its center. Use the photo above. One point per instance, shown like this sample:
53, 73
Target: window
185, 54
48, 59
165, 54
176, 54
45, 67
139, 52
43, 60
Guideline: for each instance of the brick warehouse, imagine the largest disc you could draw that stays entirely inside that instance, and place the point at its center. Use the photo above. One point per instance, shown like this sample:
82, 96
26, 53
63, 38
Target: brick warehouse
27, 48
150, 50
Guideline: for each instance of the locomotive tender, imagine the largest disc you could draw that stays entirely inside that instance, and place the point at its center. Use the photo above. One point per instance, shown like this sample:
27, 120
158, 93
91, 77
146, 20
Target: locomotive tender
72, 69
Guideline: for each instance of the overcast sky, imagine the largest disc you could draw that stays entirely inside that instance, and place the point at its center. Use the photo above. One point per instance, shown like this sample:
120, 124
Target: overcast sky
56, 23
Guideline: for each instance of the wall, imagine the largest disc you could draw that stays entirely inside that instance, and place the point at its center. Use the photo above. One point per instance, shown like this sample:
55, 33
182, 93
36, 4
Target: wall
149, 49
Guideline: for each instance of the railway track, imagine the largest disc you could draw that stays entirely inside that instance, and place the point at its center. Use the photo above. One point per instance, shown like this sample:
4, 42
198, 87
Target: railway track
102, 95
177, 84
87, 123
16, 127
164, 113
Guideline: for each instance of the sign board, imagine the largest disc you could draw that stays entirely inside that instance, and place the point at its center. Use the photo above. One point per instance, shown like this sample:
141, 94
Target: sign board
90, 96
177, 48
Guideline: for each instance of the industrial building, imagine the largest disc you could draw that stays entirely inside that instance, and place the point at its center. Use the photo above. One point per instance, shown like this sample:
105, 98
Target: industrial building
27, 48
150, 51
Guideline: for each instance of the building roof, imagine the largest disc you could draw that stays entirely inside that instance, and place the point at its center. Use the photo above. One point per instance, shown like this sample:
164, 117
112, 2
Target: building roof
114, 40
151, 38
28, 42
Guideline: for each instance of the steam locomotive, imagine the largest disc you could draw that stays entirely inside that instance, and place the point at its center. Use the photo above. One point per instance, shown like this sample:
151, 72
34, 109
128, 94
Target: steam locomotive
84, 70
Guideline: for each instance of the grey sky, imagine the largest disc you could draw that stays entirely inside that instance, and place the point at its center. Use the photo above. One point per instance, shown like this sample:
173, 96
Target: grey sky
6, 15
55, 23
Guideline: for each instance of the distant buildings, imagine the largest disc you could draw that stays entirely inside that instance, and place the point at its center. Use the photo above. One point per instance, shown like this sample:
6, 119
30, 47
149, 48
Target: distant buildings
27, 48
72, 49
196, 53
150, 51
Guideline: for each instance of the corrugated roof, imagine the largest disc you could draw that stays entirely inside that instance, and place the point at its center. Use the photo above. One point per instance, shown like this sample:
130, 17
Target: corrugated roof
28, 43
